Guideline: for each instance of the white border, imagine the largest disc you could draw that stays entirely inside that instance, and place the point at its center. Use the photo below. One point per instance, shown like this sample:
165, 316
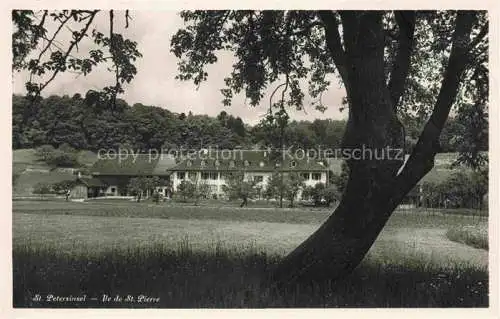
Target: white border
6, 310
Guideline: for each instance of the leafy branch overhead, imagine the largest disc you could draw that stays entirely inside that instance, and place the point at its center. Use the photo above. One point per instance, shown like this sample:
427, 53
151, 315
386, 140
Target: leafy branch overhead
37, 48
268, 46
311, 45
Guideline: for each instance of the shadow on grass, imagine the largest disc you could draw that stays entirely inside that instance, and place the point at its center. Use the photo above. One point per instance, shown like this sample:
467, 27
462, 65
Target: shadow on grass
224, 278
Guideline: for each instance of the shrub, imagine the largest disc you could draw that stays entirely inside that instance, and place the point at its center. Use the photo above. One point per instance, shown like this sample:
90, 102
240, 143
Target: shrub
195, 191
44, 152
186, 190
42, 189
331, 194
294, 183
63, 186
60, 158
339, 180
156, 197
64, 156
237, 187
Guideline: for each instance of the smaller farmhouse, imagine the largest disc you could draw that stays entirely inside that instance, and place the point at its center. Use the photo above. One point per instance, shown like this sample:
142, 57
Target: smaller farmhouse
88, 188
116, 172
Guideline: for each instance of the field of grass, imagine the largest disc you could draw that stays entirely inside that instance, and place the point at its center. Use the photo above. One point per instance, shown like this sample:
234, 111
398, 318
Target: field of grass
182, 278
132, 209
26, 156
220, 256
231, 212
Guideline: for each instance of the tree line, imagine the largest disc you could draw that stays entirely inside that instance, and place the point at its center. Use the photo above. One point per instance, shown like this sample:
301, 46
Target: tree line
462, 189
84, 122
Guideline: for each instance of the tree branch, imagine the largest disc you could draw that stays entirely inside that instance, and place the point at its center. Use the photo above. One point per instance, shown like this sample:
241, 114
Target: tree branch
335, 45
350, 28
112, 44
68, 28
42, 21
127, 17
56, 44
406, 23
63, 22
287, 80
480, 36
223, 21
113, 51
272, 95
477, 51
285, 84
421, 160
82, 33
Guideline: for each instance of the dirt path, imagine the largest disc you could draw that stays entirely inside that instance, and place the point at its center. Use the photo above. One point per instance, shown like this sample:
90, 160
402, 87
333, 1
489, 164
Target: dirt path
433, 243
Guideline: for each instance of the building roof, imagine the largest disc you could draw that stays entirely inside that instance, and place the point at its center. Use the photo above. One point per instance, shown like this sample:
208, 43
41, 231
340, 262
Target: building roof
91, 182
164, 165
231, 160
137, 165
234, 160
250, 160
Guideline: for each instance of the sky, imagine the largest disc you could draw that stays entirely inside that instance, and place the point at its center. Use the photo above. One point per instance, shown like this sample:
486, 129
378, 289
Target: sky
155, 82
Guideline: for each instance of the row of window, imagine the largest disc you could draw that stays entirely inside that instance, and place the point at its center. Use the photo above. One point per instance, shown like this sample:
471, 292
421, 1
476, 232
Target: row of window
182, 175
204, 175
313, 176
256, 178
232, 164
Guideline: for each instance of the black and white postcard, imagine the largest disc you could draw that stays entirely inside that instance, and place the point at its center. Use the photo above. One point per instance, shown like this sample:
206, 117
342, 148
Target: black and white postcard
184, 158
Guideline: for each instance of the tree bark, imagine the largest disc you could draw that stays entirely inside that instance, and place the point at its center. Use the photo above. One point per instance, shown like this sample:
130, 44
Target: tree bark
374, 188
399, 73
340, 244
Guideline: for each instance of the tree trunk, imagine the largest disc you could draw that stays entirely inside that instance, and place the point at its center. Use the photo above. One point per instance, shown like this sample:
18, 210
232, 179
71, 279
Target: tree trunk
281, 192
375, 186
340, 244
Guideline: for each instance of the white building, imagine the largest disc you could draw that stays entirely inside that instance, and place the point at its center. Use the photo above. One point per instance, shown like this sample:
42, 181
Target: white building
212, 168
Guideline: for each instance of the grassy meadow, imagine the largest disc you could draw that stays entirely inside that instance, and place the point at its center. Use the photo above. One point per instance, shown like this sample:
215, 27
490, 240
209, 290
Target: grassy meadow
470, 235
220, 256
